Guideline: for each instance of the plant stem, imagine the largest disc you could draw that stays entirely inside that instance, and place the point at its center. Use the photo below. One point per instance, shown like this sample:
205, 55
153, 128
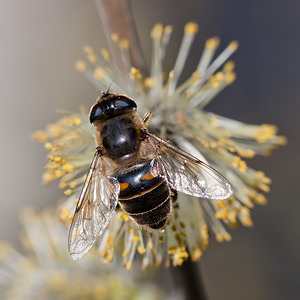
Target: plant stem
116, 17
188, 277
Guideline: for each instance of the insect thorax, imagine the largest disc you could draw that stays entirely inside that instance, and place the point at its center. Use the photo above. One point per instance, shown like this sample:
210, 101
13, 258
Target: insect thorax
120, 139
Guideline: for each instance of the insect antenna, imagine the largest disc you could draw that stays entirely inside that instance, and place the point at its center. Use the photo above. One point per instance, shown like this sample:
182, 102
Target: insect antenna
107, 91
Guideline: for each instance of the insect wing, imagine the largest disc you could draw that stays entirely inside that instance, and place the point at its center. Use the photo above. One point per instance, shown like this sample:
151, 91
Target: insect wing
187, 174
95, 207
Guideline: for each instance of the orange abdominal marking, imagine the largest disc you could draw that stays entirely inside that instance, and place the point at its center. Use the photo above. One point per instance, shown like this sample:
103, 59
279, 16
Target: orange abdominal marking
148, 176
124, 186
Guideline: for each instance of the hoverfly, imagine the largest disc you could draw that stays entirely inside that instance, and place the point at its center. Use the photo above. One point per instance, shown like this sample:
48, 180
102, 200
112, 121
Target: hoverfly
137, 170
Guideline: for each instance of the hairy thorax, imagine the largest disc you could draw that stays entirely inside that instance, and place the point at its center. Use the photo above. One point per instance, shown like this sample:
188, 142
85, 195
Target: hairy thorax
119, 138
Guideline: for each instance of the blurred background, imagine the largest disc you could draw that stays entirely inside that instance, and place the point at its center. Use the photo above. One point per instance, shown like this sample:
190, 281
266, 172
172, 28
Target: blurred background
41, 40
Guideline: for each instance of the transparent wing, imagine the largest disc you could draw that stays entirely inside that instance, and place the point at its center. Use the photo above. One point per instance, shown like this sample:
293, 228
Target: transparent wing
97, 202
187, 174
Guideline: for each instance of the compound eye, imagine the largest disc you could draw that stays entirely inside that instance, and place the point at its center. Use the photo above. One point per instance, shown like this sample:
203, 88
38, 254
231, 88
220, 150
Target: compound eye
95, 112
124, 103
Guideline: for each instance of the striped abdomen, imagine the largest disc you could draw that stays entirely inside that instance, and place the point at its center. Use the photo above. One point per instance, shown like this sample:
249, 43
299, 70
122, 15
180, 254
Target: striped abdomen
144, 197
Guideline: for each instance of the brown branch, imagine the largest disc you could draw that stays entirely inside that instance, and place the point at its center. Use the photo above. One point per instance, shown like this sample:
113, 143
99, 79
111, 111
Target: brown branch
187, 276
116, 17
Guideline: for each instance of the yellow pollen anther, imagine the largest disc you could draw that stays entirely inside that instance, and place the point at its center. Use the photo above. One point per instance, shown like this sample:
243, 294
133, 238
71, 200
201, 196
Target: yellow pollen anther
214, 81
204, 232
62, 185
230, 78
124, 217
128, 265
135, 73
109, 241
48, 146
240, 164
180, 256
149, 82
233, 45
214, 120
136, 239
282, 140
70, 218
168, 29
260, 199
88, 49
68, 192
58, 173
220, 204
220, 214
261, 174
196, 254
64, 212
219, 76
212, 43
77, 121
150, 245
48, 177
229, 67
141, 249
105, 53
158, 262
196, 75
236, 161
249, 153
263, 177
243, 166
66, 216
115, 37
68, 168
72, 185
40, 136
191, 28
172, 250
110, 257
57, 159
219, 237
92, 58
99, 73
265, 188
156, 32
227, 237
265, 132
80, 66
244, 215
124, 44
55, 130
232, 216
